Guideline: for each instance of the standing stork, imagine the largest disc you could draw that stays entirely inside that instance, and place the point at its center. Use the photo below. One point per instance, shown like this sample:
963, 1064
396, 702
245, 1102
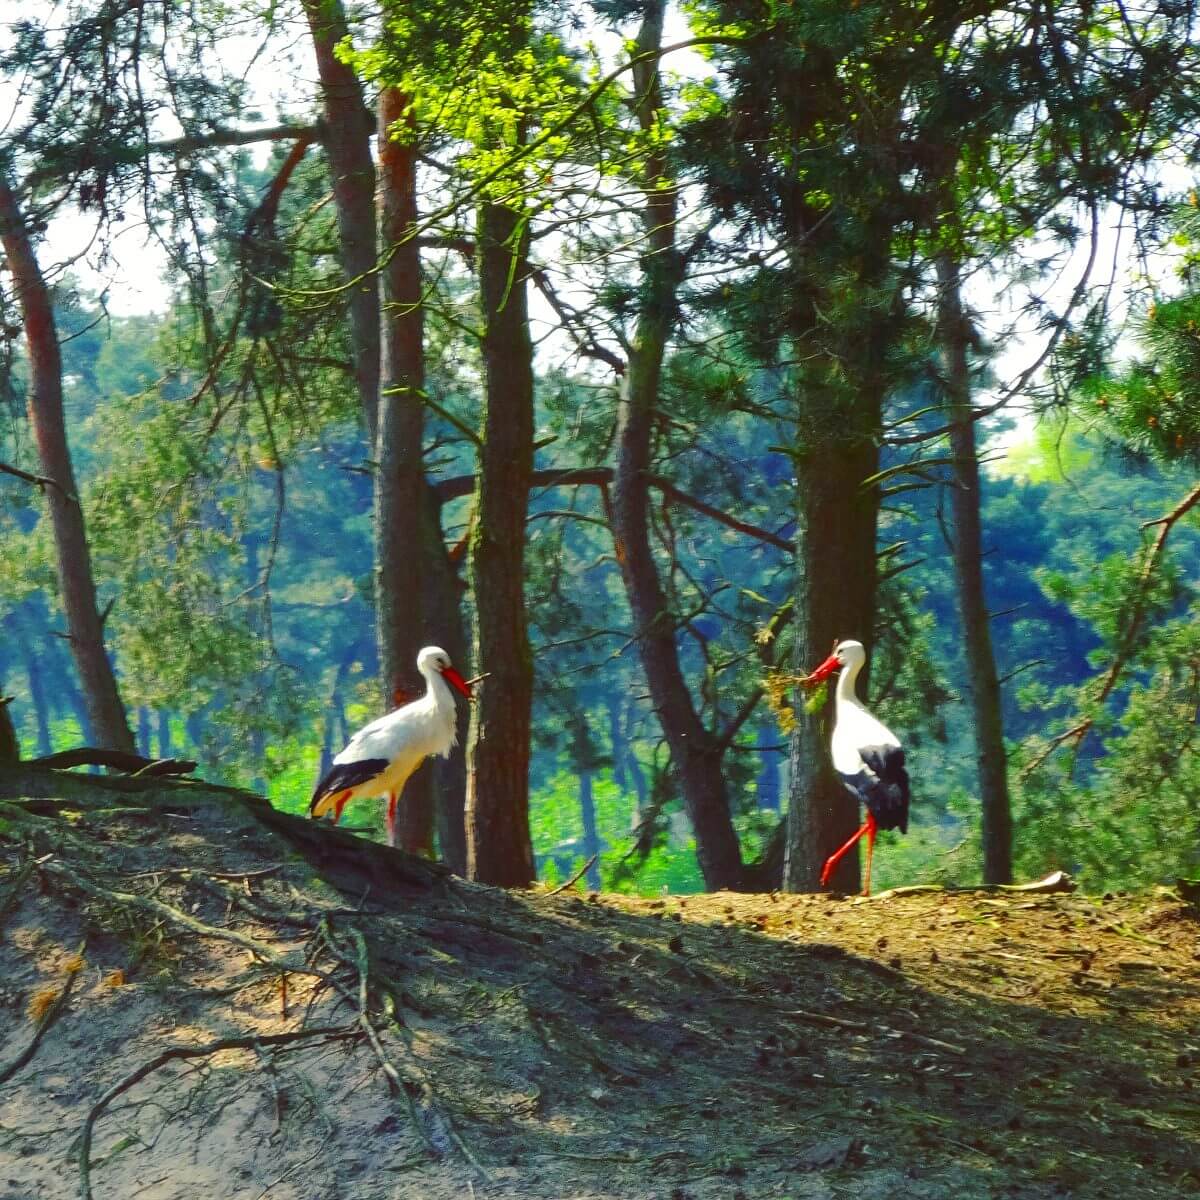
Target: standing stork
381, 756
867, 756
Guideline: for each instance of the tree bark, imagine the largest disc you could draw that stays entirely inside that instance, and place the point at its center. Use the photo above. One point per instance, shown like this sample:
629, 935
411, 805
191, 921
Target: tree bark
163, 720
983, 684
347, 140
614, 706
10, 748
399, 469
442, 593
75, 701
767, 785
835, 599
585, 759
74, 560
695, 751
22, 625
499, 848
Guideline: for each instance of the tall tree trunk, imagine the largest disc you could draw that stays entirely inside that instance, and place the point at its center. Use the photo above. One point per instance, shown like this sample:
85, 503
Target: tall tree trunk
591, 837
695, 751
585, 759
442, 593
74, 560
258, 756
767, 786
10, 748
22, 626
639, 786
499, 847
955, 334
399, 479
195, 725
163, 721
613, 704
143, 731
835, 599
75, 701
347, 140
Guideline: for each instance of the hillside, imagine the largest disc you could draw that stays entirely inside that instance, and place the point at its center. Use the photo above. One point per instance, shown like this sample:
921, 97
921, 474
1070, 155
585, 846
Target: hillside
258, 1007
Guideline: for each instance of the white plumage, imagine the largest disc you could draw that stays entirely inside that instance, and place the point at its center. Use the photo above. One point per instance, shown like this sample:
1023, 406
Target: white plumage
866, 754
854, 727
381, 756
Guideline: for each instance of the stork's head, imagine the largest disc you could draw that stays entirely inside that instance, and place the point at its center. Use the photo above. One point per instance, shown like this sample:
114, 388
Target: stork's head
845, 654
433, 660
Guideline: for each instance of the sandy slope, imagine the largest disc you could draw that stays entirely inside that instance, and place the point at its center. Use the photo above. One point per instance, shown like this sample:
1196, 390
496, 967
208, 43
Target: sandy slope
575, 1048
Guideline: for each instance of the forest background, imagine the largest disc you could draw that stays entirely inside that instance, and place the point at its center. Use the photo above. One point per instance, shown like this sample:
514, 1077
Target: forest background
642, 354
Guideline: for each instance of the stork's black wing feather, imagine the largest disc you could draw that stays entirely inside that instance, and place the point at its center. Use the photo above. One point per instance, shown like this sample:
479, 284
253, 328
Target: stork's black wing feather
882, 785
347, 775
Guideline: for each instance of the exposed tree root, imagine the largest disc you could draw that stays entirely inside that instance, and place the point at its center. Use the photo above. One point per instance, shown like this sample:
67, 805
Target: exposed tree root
45, 1021
177, 1053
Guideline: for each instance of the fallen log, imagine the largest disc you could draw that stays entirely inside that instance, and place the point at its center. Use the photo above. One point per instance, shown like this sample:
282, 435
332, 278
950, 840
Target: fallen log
1055, 882
119, 760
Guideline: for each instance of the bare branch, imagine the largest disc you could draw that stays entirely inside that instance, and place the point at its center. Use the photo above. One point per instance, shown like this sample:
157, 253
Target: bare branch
602, 477
41, 481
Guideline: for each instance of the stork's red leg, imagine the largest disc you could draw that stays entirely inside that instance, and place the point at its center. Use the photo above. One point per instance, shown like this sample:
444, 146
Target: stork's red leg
871, 828
338, 805
836, 857
391, 818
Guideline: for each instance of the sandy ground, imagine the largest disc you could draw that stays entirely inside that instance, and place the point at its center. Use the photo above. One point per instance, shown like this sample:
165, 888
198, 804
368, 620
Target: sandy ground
568, 1047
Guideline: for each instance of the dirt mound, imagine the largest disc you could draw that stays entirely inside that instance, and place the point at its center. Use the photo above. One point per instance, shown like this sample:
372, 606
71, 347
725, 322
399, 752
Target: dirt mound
206, 997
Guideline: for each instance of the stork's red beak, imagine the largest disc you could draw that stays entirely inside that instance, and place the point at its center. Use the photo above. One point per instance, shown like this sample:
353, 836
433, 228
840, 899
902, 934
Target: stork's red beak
456, 681
823, 672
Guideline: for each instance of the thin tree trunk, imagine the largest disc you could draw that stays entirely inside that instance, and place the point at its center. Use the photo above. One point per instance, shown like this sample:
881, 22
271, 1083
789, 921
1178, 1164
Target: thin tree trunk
767, 787
74, 560
616, 736
585, 759
639, 786
143, 731
399, 478
499, 848
258, 757
75, 701
24, 629
335, 718
10, 748
694, 750
163, 721
955, 334
196, 726
346, 133
591, 837
442, 593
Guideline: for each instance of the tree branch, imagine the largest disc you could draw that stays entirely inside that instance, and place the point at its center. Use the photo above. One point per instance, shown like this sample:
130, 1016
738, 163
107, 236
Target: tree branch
132, 764
602, 477
1128, 642
40, 481
585, 342
191, 142
203, 1050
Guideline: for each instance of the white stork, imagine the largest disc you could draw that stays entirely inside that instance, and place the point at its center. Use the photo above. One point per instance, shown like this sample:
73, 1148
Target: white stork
381, 756
867, 756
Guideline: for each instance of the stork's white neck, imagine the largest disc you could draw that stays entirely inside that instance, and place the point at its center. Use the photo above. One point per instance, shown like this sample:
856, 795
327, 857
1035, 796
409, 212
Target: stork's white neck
846, 687
437, 690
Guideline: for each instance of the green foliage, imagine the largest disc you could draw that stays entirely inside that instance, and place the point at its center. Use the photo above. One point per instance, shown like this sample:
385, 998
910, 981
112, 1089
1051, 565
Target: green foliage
483, 76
